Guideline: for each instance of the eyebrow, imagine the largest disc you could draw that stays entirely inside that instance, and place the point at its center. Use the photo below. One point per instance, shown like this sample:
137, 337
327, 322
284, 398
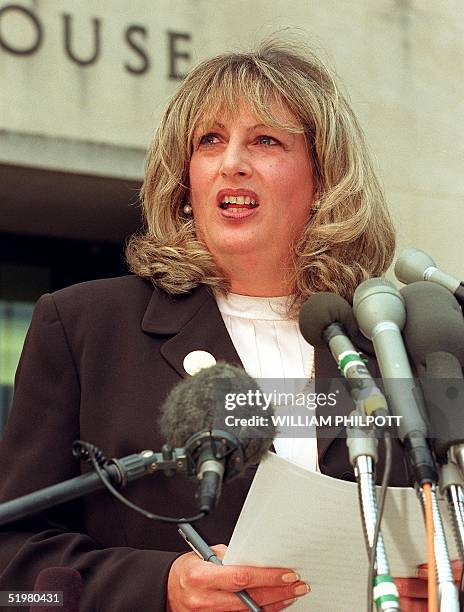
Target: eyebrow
250, 129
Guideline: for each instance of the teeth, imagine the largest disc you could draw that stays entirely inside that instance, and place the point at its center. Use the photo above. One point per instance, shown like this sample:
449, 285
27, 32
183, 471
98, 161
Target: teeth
228, 199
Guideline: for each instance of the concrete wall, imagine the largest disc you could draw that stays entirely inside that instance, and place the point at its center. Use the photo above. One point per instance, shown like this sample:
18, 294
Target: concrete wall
400, 60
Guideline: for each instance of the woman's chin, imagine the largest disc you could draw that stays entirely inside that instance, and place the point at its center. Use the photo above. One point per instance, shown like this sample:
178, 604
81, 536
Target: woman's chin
230, 250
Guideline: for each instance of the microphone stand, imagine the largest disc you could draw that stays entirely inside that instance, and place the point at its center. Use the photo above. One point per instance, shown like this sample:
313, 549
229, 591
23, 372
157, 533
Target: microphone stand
451, 485
119, 472
424, 471
362, 447
447, 588
457, 456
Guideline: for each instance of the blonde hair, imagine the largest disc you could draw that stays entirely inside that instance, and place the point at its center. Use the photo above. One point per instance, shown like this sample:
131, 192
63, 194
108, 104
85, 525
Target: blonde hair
350, 236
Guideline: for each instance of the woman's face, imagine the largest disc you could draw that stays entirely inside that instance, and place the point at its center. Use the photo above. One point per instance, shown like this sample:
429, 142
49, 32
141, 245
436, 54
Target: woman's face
252, 189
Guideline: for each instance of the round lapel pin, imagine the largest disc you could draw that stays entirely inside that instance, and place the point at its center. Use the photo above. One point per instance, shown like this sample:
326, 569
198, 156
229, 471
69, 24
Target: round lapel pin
198, 360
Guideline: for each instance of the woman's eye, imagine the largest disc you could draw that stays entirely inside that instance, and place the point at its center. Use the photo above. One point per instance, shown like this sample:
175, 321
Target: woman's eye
208, 139
267, 140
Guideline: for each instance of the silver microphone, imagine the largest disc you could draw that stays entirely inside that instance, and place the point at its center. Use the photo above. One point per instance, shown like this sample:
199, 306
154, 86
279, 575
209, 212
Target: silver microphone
415, 265
381, 315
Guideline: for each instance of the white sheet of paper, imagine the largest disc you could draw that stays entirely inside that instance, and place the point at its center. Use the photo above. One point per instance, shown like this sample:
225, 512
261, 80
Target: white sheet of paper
310, 522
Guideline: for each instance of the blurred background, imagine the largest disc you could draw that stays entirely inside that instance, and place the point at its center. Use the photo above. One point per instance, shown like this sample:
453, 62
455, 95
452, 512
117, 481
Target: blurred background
83, 84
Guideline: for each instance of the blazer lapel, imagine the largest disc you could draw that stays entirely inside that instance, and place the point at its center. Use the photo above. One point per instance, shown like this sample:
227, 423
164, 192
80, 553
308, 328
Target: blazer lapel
326, 370
193, 323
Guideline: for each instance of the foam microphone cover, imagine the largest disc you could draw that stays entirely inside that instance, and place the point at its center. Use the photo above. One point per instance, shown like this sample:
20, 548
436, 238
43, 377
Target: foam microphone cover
64, 579
322, 309
443, 387
198, 404
434, 323
434, 335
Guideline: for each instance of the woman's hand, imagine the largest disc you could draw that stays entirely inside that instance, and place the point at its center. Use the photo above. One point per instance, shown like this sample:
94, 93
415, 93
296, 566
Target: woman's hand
194, 584
413, 591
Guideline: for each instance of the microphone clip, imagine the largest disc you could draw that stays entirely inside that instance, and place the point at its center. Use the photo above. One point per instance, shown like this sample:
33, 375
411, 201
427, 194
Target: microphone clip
217, 445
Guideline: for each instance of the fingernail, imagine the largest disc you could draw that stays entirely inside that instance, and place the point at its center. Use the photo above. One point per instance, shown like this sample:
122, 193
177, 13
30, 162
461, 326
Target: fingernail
290, 577
302, 589
288, 602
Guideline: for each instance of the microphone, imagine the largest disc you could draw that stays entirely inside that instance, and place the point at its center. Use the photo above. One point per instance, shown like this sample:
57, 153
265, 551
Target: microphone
381, 315
436, 346
65, 579
209, 414
434, 323
415, 265
327, 319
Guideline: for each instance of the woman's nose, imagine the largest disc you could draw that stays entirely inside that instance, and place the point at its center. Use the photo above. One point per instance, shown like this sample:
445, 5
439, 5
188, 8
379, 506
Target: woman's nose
235, 161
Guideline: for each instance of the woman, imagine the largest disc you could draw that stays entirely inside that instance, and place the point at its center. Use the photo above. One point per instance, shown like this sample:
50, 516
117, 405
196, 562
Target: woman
258, 192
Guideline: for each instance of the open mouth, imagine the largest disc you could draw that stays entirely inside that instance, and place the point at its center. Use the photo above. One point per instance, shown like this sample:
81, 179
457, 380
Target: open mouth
238, 203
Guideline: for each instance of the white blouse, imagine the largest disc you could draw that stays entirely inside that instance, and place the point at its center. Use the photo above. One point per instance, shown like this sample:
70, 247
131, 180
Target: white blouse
271, 346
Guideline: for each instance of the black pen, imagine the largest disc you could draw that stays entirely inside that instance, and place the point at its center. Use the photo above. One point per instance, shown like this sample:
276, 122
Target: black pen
198, 545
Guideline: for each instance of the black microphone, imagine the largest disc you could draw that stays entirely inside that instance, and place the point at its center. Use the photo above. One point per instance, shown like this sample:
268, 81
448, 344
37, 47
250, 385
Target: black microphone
415, 265
211, 415
434, 336
327, 319
381, 315
434, 323
65, 579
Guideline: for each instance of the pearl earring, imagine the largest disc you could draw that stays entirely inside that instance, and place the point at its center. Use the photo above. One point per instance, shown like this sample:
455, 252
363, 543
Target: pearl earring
187, 209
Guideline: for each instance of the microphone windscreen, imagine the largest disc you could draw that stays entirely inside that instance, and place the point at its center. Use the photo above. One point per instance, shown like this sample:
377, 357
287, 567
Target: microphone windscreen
322, 309
199, 403
443, 388
434, 322
64, 579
